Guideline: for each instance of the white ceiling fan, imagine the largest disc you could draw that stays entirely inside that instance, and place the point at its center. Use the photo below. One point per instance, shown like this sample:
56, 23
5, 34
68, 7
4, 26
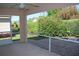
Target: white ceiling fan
22, 5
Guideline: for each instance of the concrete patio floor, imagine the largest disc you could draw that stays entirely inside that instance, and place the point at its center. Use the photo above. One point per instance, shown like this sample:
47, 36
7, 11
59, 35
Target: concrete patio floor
25, 49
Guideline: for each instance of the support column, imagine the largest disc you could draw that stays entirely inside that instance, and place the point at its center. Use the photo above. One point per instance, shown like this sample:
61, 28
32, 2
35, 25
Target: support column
23, 33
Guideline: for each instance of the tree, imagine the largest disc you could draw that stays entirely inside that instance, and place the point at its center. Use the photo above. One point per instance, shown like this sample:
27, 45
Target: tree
15, 27
69, 13
64, 13
54, 12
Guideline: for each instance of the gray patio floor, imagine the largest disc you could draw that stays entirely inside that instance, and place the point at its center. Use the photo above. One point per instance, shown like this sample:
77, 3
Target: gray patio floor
26, 49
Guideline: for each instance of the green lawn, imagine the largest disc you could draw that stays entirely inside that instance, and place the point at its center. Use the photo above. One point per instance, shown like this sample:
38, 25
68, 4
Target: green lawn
16, 37
31, 36
5, 38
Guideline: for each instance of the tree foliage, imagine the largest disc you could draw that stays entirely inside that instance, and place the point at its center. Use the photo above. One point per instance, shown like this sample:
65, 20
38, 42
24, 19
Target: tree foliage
64, 13
32, 26
76, 28
15, 27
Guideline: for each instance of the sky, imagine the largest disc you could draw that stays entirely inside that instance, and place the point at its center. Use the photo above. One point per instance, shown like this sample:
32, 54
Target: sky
37, 15
77, 6
16, 18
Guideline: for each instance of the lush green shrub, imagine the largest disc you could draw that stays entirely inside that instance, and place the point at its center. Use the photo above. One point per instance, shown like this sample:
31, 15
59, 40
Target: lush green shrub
50, 26
76, 28
32, 26
57, 27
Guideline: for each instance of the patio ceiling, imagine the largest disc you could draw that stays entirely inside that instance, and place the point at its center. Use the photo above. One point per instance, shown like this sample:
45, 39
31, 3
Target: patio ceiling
17, 5
29, 8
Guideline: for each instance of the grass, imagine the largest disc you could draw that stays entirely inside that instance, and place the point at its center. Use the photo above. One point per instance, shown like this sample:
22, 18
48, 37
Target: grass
31, 36
16, 37
5, 38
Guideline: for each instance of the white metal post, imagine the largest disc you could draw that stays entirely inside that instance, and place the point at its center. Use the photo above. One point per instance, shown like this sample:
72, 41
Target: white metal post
49, 44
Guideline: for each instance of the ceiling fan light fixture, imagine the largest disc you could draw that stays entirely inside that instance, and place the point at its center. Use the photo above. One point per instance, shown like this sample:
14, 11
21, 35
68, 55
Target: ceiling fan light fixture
22, 5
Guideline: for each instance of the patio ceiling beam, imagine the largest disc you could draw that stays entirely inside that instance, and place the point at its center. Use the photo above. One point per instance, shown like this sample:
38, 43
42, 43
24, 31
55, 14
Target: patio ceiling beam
10, 11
